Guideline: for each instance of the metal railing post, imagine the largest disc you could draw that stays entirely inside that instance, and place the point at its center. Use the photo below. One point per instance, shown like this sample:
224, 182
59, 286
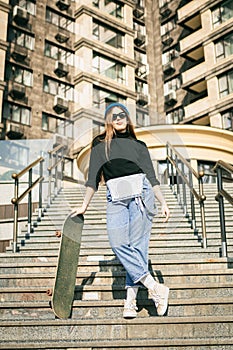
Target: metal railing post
184, 193
202, 209
194, 227
40, 192
221, 213
29, 202
16, 213
50, 179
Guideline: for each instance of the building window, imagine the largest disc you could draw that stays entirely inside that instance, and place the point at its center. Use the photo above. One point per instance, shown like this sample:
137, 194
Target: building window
58, 53
19, 75
224, 47
29, 6
142, 118
173, 84
114, 8
58, 20
227, 120
170, 55
17, 114
108, 67
222, 13
226, 84
97, 128
163, 3
22, 39
56, 125
175, 117
102, 98
108, 35
167, 27
55, 87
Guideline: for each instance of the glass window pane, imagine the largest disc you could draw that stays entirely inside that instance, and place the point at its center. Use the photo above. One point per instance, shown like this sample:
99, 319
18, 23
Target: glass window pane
16, 113
25, 116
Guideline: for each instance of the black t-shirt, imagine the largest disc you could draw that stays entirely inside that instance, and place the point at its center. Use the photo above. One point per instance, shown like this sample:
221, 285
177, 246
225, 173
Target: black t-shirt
127, 156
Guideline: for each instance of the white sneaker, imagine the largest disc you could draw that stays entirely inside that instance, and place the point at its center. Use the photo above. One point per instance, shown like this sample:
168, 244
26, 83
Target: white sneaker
130, 309
160, 297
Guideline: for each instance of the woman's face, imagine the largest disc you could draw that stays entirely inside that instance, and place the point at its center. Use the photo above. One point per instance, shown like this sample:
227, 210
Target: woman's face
119, 119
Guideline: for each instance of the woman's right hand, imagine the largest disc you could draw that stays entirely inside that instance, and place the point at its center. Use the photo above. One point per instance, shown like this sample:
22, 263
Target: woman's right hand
78, 211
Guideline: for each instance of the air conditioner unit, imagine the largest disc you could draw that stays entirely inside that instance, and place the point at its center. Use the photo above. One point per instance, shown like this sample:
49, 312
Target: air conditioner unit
138, 11
17, 91
14, 131
20, 15
170, 98
60, 140
62, 36
61, 104
167, 40
140, 39
61, 69
63, 4
141, 71
19, 53
168, 68
165, 11
142, 99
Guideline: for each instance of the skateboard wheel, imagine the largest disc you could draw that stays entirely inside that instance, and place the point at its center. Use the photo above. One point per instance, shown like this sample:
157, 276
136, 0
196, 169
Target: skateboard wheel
49, 292
58, 234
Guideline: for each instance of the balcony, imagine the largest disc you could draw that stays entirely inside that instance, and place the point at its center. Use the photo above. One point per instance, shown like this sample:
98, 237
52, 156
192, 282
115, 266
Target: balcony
17, 91
188, 14
61, 69
63, 5
192, 42
194, 74
170, 98
20, 16
14, 131
19, 53
61, 105
142, 99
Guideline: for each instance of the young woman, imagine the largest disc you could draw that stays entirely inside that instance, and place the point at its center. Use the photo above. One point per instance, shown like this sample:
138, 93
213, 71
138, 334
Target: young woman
126, 166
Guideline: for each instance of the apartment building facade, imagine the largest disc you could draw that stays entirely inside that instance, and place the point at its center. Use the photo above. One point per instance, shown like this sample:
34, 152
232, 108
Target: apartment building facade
63, 61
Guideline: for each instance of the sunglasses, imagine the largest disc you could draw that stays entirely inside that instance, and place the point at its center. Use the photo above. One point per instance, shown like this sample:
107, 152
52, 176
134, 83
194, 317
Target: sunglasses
120, 115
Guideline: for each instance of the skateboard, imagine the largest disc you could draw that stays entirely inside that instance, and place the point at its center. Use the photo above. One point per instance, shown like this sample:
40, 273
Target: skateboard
64, 286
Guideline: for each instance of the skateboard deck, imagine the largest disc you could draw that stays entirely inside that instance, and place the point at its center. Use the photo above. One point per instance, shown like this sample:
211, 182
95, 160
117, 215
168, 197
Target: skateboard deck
64, 286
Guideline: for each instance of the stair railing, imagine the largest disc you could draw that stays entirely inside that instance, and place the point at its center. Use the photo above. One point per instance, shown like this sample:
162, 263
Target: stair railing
56, 159
221, 167
182, 177
18, 198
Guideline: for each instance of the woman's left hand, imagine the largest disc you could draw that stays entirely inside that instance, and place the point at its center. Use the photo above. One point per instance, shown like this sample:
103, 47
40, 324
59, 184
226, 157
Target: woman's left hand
165, 212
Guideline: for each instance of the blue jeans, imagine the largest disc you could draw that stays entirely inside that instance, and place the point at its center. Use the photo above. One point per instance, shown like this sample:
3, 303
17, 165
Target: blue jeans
129, 225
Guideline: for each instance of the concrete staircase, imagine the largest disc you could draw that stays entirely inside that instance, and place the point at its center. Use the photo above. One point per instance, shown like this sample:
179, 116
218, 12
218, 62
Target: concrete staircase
200, 314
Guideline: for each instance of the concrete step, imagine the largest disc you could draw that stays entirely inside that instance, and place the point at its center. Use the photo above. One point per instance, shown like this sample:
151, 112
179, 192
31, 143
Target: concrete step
107, 292
107, 309
115, 332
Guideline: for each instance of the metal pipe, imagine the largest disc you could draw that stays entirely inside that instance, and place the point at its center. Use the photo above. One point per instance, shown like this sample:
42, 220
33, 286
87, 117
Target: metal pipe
221, 213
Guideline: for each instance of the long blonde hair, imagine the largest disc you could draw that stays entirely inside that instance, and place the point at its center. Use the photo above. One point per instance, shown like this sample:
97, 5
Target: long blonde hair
110, 132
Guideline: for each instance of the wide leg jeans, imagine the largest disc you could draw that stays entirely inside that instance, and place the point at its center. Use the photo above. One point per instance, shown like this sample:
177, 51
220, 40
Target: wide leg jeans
129, 225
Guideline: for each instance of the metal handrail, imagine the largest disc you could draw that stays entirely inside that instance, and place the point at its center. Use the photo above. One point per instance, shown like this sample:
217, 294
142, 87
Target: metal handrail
221, 195
57, 154
175, 158
18, 198
54, 155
